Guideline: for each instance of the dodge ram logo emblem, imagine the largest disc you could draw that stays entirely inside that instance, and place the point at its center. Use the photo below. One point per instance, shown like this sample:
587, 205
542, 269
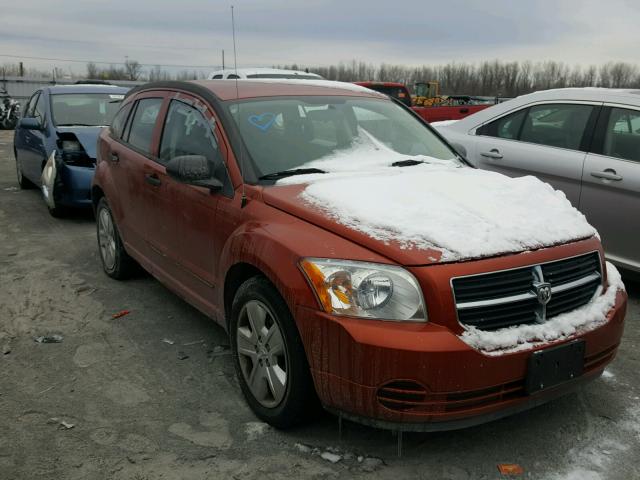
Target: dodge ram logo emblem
543, 292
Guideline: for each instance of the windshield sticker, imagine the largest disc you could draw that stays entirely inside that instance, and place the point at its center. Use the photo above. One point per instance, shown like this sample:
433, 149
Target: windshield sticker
116, 97
264, 121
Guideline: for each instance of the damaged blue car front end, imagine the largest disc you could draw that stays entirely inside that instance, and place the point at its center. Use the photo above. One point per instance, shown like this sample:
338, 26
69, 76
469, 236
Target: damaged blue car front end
66, 177
55, 141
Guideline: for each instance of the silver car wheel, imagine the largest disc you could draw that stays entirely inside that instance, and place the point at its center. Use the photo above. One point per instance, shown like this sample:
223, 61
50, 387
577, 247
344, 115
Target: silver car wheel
262, 354
107, 239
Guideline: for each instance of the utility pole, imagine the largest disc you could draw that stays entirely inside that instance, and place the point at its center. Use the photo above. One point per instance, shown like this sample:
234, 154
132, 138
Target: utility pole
223, 58
21, 70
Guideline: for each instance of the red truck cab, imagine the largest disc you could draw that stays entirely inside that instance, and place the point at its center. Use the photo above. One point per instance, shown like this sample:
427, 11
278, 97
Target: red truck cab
436, 113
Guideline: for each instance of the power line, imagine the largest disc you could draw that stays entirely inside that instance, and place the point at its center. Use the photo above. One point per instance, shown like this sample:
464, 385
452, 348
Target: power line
103, 62
108, 44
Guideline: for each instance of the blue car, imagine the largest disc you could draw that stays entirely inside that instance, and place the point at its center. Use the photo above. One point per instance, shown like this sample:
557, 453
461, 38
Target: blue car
55, 141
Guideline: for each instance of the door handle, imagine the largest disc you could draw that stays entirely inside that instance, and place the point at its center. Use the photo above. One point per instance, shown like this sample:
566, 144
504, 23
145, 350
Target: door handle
115, 157
495, 154
607, 174
152, 179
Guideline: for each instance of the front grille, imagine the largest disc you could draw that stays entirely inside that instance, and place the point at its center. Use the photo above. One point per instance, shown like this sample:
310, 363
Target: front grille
514, 297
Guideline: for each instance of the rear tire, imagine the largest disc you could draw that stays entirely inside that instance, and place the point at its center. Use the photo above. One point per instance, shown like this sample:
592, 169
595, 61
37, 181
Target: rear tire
116, 262
269, 356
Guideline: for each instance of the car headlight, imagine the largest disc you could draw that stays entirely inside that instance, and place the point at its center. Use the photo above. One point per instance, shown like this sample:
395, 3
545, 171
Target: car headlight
72, 146
362, 289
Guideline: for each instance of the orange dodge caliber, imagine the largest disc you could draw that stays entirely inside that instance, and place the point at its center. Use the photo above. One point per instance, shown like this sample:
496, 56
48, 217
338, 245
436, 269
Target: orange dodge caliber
356, 261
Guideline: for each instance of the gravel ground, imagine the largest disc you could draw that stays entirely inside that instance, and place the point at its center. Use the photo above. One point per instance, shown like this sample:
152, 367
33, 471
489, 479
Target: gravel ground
152, 395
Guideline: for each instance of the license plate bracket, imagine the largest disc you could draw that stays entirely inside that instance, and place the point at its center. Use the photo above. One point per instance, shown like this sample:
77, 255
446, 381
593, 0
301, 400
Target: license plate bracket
552, 366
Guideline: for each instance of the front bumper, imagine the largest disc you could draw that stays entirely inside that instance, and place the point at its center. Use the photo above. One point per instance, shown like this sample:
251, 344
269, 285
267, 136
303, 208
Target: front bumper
422, 377
74, 187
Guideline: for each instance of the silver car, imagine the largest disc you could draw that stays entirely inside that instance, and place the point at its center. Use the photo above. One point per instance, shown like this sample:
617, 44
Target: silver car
583, 141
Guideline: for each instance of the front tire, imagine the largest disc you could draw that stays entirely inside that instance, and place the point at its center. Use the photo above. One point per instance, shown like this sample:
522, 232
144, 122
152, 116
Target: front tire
24, 183
269, 357
57, 211
116, 262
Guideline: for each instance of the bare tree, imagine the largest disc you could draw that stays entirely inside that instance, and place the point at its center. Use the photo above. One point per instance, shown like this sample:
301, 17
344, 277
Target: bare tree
133, 69
156, 74
92, 70
489, 78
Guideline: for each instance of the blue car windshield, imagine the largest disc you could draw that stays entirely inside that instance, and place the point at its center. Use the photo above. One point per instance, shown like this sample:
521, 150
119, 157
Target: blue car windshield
84, 109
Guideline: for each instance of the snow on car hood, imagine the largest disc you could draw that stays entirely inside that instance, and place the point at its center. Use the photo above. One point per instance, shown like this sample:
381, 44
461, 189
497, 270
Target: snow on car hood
441, 211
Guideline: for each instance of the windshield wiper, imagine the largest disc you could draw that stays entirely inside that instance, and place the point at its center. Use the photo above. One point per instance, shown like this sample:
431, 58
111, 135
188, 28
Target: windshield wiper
290, 173
407, 163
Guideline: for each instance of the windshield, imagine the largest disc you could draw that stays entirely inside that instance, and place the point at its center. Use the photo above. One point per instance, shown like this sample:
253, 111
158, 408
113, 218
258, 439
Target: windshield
333, 134
84, 109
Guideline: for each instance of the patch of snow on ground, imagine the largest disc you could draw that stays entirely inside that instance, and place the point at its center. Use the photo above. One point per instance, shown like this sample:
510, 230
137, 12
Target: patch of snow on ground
580, 474
255, 430
591, 461
524, 337
608, 375
463, 212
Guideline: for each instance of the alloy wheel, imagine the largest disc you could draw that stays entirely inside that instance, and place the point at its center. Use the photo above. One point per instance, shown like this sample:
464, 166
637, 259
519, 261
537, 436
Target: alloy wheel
262, 353
107, 239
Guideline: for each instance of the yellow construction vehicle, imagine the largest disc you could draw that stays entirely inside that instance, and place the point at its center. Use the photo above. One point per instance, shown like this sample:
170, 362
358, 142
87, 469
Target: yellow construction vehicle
427, 94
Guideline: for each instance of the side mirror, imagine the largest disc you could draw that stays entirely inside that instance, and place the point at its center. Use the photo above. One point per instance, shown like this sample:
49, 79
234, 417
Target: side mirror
30, 123
193, 170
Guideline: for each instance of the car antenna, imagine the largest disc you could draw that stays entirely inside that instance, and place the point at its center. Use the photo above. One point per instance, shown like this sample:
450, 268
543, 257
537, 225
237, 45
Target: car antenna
243, 201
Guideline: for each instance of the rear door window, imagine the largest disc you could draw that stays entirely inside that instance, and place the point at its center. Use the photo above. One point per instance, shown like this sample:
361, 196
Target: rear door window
622, 137
556, 125
119, 121
143, 122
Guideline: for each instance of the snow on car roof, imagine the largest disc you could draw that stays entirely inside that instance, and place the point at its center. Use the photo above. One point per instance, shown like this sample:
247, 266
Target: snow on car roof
245, 72
265, 87
318, 83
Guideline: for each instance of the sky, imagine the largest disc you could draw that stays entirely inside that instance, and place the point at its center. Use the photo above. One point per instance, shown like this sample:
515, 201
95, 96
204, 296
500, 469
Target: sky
191, 33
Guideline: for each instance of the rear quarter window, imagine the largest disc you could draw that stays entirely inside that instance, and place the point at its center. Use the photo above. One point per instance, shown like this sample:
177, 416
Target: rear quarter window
622, 137
143, 123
